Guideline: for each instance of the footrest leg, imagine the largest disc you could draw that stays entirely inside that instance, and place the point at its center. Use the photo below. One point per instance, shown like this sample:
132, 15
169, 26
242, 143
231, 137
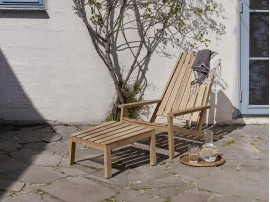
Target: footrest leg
72, 148
153, 158
107, 162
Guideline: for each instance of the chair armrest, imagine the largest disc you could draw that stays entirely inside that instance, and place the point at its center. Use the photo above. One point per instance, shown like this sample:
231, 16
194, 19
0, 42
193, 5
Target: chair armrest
136, 104
187, 111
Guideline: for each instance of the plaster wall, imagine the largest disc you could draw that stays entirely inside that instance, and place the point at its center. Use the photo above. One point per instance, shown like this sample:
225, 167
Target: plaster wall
49, 71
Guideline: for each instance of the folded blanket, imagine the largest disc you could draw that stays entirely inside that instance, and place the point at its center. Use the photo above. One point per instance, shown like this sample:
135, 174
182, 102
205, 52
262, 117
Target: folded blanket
206, 61
201, 66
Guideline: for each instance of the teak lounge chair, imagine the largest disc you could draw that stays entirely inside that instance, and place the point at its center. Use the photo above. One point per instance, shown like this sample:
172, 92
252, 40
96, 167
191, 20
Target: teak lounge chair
176, 102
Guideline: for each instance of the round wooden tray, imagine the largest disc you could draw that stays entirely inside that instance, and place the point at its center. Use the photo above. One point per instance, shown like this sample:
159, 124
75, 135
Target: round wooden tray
185, 160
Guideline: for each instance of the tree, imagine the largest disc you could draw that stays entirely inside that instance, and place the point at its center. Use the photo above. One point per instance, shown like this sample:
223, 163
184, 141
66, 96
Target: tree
111, 25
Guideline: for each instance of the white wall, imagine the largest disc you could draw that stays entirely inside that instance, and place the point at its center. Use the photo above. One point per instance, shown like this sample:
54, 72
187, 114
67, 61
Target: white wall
49, 71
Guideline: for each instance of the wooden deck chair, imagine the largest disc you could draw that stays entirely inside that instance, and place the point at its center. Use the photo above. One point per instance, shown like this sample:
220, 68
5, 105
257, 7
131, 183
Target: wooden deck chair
176, 102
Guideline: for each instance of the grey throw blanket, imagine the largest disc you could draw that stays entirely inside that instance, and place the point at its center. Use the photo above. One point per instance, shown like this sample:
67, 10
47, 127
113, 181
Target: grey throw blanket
201, 66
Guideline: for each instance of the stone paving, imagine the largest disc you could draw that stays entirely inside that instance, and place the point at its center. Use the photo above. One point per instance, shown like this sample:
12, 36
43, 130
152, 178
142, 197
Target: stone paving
34, 167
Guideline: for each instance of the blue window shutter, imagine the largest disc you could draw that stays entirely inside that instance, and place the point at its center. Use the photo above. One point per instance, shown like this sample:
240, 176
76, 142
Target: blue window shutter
22, 4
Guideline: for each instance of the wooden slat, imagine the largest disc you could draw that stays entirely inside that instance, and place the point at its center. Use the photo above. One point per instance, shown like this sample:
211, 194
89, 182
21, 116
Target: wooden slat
126, 136
136, 104
185, 82
208, 90
119, 130
115, 124
179, 76
205, 98
185, 100
186, 91
105, 131
131, 139
160, 127
93, 128
167, 90
121, 134
199, 102
87, 143
190, 104
188, 111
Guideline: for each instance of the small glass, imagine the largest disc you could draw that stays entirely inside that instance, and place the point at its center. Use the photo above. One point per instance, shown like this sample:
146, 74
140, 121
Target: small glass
193, 153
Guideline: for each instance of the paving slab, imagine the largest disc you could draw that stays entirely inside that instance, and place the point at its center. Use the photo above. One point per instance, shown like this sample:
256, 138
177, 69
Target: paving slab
48, 198
165, 180
9, 146
230, 164
50, 137
4, 156
42, 158
33, 174
4, 194
24, 198
12, 165
65, 164
193, 196
135, 196
262, 146
240, 151
11, 185
70, 171
9, 136
226, 198
36, 146
237, 183
84, 126
65, 131
255, 163
189, 173
170, 191
60, 147
261, 155
119, 180
79, 189
144, 173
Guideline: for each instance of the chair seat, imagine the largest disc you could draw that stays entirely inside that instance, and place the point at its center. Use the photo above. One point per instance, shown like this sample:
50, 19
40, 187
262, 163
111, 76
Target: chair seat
110, 132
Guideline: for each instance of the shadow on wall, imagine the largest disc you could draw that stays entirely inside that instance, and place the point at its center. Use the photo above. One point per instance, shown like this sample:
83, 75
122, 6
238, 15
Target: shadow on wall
14, 103
221, 109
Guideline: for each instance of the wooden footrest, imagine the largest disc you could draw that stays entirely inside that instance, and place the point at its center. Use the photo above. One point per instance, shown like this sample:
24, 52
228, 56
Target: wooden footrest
111, 135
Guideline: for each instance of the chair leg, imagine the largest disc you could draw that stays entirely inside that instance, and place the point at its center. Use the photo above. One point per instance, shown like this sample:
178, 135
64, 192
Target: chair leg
201, 120
153, 158
72, 148
170, 138
107, 162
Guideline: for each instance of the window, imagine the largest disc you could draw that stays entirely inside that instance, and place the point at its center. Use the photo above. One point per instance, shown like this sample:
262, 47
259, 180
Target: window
254, 76
22, 4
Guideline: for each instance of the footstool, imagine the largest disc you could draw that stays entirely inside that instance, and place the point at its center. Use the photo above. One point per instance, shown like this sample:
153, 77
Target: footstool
111, 135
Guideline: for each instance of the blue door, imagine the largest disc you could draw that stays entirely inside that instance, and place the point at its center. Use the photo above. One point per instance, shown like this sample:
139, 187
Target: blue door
254, 57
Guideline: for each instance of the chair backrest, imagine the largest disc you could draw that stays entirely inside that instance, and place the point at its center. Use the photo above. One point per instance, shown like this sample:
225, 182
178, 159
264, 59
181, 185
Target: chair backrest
176, 95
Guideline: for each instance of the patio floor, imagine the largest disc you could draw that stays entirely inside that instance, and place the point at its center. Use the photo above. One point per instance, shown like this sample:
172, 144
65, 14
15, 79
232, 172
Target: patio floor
34, 167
